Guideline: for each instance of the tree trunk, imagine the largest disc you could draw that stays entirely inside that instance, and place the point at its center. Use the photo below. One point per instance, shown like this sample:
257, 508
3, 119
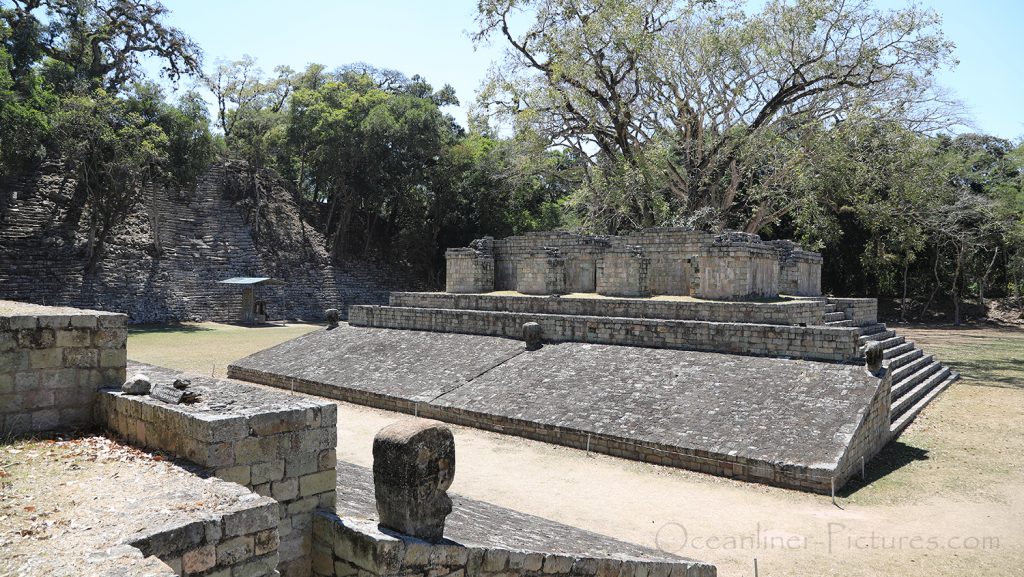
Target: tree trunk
935, 288
956, 288
154, 222
984, 278
903, 301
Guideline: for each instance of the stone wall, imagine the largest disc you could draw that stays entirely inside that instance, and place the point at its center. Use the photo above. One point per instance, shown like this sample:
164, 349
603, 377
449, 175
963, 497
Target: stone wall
794, 312
738, 271
730, 265
799, 270
52, 362
241, 543
623, 272
344, 547
859, 310
278, 445
816, 343
468, 271
870, 436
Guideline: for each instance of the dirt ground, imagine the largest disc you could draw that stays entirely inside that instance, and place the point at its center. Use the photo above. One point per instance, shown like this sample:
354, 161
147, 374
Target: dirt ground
946, 499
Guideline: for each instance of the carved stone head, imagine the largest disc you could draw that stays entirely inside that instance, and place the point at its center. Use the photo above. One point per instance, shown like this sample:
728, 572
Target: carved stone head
874, 355
333, 316
413, 466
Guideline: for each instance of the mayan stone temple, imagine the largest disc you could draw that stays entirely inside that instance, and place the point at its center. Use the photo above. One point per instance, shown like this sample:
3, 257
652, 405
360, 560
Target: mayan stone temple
711, 352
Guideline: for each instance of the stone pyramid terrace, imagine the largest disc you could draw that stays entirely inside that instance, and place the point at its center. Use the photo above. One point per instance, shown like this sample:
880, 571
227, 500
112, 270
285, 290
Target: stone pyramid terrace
711, 353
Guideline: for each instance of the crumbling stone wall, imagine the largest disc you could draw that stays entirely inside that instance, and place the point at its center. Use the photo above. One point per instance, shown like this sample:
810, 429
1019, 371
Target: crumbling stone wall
279, 446
240, 543
52, 362
344, 547
670, 261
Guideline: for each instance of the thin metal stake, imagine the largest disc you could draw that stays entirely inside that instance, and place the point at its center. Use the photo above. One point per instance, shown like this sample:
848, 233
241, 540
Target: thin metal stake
832, 484
755, 566
588, 444
862, 475
415, 409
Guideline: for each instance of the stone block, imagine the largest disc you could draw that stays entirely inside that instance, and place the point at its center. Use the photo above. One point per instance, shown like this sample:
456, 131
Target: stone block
83, 321
317, 483
285, 490
110, 338
45, 420
36, 338
235, 550
81, 358
113, 358
268, 471
199, 560
46, 358
251, 520
74, 338
238, 474
301, 463
266, 541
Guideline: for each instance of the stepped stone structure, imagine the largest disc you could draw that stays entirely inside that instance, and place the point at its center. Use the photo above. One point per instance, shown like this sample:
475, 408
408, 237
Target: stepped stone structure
165, 261
727, 266
254, 487
738, 366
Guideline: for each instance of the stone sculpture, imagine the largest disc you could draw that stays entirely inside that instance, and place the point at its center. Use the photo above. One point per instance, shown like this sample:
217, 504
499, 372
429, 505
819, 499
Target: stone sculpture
532, 334
413, 466
333, 316
873, 357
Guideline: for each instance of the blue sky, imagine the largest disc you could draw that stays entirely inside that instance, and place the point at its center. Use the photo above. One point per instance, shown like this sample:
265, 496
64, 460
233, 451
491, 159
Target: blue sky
431, 38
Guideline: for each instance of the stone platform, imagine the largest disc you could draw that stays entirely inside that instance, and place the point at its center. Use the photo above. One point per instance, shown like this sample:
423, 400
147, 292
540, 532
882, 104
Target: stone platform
794, 423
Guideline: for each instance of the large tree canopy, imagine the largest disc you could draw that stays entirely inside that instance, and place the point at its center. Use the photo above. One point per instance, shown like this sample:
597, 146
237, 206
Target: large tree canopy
674, 102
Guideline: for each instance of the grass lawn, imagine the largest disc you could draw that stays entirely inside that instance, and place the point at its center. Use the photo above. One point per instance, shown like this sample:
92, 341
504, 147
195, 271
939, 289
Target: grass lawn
205, 348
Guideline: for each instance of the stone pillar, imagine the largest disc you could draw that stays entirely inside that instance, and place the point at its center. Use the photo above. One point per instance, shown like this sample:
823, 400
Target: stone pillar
541, 272
622, 272
413, 466
469, 271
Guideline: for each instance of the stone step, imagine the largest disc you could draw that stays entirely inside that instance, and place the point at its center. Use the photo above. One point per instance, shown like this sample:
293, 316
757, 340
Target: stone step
879, 336
834, 317
830, 308
898, 350
911, 380
843, 323
909, 398
900, 424
910, 363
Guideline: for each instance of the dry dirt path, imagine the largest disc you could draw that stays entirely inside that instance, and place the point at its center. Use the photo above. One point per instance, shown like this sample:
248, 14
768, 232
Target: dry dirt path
948, 499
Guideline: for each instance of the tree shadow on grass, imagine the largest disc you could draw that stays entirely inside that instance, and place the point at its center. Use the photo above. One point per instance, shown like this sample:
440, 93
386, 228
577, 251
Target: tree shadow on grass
893, 457
167, 328
1002, 373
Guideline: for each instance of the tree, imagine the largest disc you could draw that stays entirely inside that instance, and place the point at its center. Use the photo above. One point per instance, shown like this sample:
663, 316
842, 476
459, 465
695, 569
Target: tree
95, 43
114, 154
669, 101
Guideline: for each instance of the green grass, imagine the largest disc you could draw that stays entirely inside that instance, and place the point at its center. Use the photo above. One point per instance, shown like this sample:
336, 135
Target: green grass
205, 348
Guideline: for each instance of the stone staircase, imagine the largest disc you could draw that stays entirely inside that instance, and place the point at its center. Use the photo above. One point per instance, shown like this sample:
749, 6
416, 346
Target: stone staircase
917, 378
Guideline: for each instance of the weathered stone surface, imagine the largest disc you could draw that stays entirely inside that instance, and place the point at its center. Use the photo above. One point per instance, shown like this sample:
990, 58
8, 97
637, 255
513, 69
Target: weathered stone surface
475, 523
533, 336
137, 384
413, 466
873, 356
773, 420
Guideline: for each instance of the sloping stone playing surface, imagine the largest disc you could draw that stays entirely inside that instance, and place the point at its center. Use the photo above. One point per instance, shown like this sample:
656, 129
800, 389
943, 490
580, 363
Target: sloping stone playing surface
761, 412
478, 524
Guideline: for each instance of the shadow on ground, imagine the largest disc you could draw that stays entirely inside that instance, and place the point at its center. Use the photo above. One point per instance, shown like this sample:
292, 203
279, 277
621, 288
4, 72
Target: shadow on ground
893, 457
168, 328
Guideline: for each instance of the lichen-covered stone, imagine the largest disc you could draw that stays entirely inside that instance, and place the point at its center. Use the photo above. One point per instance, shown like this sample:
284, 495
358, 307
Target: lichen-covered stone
413, 466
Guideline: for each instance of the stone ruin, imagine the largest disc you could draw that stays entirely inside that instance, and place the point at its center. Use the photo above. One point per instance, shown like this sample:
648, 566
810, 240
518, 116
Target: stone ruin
245, 481
726, 266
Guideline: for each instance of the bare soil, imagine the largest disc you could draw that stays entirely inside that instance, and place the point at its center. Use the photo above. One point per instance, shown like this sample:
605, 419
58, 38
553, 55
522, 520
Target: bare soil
946, 499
